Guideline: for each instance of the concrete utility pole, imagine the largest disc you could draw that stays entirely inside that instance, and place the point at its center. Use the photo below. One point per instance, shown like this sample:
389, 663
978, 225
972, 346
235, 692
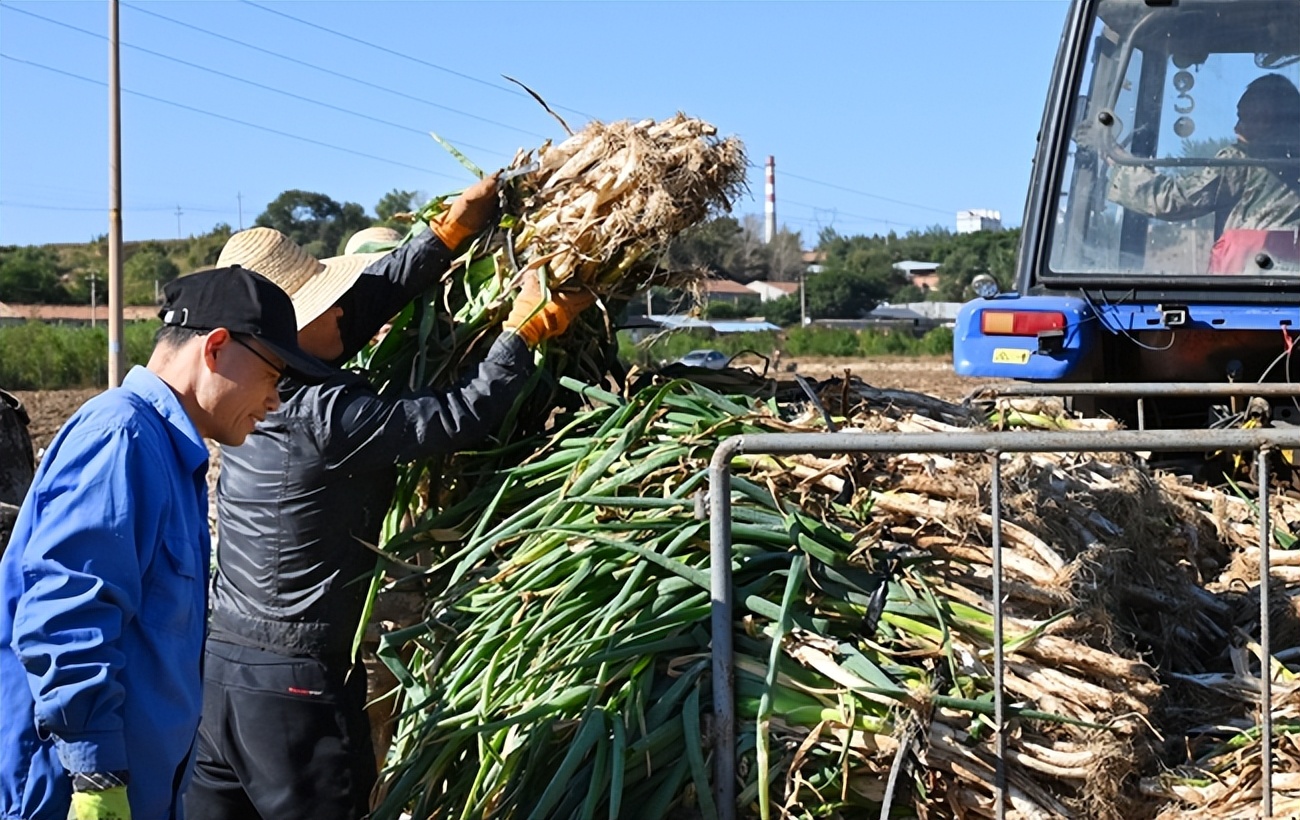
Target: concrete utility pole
240, 196
179, 213
92, 300
116, 351
803, 298
770, 210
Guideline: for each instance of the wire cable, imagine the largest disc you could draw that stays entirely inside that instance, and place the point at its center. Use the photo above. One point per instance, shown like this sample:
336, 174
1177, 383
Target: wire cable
862, 193
386, 50
245, 123
838, 212
169, 208
255, 84
331, 72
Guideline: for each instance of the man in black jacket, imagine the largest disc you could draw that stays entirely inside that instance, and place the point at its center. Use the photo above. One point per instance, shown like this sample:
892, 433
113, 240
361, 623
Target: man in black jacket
284, 731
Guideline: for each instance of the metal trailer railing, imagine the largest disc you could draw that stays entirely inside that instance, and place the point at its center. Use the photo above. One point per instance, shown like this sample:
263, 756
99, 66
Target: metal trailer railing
994, 444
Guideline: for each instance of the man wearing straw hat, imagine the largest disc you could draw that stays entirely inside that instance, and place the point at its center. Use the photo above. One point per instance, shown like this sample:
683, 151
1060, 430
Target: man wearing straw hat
102, 589
285, 732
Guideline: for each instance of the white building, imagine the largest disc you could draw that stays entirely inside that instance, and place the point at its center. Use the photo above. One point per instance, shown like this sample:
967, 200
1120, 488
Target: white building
978, 219
767, 291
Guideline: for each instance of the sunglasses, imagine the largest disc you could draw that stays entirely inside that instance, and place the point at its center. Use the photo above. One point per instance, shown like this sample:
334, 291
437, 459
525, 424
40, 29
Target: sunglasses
279, 369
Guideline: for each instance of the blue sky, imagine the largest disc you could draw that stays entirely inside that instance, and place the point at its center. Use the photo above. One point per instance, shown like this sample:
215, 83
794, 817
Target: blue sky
881, 115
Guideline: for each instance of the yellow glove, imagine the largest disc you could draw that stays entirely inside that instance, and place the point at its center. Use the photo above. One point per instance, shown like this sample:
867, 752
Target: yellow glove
535, 319
468, 215
109, 804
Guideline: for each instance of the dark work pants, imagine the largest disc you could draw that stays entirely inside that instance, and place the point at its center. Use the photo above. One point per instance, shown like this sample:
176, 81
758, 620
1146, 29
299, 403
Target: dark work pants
282, 737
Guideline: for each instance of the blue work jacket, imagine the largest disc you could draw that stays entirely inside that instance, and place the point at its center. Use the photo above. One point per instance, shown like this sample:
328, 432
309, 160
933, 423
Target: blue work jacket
103, 592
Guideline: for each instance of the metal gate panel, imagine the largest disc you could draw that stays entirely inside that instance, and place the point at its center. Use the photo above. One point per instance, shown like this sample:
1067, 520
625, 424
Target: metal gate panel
995, 445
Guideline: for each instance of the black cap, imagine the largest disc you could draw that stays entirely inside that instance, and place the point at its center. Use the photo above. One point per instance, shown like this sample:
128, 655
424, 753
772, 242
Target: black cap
241, 301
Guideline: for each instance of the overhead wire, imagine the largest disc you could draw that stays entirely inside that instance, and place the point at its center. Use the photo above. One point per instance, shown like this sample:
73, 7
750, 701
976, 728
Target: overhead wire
865, 193
253, 83
498, 87
168, 209
244, 123
376, 86
838, 212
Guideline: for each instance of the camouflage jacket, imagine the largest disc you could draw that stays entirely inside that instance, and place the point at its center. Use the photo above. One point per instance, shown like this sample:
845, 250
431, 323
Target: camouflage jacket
1252, 196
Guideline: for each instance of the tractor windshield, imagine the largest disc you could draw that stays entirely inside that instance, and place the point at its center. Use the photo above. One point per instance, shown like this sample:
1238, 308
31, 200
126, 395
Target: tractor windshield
1183, 152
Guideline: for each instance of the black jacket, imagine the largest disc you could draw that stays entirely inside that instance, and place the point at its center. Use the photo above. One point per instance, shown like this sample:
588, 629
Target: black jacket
319, 474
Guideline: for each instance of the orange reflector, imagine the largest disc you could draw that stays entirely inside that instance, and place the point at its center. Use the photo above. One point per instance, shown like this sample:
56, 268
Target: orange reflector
1019, 322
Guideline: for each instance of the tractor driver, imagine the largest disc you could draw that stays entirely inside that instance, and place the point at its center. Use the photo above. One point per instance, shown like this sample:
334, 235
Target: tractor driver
1257, 207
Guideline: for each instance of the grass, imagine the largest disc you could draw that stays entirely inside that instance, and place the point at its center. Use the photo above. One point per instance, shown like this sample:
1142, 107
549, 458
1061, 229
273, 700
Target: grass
40, 356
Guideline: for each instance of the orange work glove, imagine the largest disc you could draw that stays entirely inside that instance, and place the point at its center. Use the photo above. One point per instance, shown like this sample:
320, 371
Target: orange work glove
535, 318
468, 215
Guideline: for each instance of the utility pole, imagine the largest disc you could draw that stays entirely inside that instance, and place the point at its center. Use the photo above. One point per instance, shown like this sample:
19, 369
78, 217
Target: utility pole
769, 224
116, 349
92, 300
240, 196
803, 297
179, 213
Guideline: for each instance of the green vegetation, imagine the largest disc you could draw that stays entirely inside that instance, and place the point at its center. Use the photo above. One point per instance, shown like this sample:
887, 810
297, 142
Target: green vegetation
857, 272
62, 274
38, 356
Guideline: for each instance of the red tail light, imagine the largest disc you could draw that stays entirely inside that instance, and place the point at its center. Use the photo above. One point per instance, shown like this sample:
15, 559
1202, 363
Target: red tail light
1019, 322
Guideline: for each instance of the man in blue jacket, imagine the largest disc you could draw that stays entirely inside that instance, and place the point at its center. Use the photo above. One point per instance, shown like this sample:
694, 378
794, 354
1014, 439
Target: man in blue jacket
103, 586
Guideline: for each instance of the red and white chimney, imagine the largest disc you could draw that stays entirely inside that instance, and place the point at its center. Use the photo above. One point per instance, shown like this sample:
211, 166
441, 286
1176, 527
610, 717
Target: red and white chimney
770, 210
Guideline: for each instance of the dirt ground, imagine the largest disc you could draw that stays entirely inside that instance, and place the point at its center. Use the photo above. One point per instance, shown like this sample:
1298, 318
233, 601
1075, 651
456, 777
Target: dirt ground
932, 375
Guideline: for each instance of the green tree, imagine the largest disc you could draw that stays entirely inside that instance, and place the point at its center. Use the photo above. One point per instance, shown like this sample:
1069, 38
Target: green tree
30, 275
204, 250
783, 311
743, 308
397, 202
843, 294
732, 250
316, 222
145, 273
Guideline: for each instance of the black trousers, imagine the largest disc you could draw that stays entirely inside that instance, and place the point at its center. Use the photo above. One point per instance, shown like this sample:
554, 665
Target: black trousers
282, 737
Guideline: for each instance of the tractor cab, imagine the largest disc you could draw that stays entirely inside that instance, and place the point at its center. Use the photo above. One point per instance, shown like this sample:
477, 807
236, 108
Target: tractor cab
1161, 237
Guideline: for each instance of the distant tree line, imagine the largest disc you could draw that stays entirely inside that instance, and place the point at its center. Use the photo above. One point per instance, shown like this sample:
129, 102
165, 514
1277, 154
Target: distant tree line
856, 271
63, 274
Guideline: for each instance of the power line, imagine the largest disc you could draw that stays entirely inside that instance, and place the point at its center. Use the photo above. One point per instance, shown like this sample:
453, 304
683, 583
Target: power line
40, 207
838, 212
864, 193
331, 72
386, 50
253, 83
234, 120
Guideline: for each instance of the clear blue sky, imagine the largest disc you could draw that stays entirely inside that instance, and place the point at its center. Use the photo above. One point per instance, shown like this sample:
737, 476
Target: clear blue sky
881, 115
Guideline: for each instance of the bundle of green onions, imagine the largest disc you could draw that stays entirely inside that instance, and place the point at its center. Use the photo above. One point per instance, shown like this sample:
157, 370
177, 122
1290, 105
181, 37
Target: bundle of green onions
563, 669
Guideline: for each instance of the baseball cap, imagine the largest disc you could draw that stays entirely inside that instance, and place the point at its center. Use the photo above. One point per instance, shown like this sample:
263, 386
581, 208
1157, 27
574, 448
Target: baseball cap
242, 301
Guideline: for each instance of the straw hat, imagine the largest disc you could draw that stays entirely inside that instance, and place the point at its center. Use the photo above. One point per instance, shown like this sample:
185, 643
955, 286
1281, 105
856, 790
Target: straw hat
313, 285
378, 235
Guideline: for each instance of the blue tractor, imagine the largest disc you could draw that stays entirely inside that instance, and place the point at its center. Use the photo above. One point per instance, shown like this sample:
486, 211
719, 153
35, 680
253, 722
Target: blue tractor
1161, 238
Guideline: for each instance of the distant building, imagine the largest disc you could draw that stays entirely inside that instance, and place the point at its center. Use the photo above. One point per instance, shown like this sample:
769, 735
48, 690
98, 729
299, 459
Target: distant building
924, 275
725, 290
978, 219
767, 291
11, 314
812, 261
917, 317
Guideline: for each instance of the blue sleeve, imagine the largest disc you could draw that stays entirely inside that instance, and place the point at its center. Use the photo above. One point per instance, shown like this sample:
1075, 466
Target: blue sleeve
94, 526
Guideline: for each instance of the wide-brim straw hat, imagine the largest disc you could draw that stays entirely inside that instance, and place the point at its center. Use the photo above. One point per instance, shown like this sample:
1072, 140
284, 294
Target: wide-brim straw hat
313, 284
386, 238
